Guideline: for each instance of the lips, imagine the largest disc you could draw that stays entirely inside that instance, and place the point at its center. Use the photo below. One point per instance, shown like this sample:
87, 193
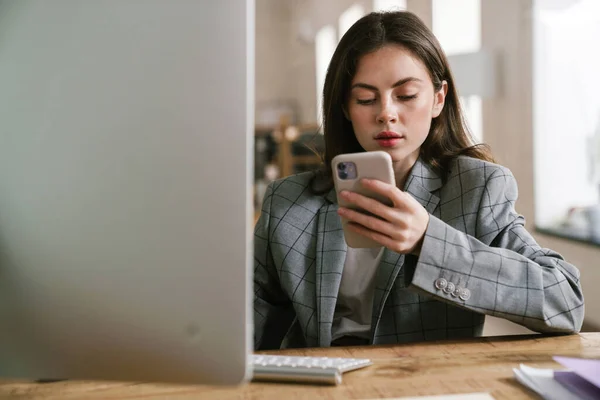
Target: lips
388, 139
388, 135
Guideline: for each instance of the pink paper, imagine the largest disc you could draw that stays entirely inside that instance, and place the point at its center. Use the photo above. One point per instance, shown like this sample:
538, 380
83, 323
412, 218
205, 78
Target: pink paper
586, 368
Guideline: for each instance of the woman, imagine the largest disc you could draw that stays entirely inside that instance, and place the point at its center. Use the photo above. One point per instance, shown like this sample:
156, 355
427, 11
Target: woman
453, 248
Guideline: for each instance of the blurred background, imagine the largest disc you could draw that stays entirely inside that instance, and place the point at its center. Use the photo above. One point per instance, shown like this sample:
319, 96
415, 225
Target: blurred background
526, 71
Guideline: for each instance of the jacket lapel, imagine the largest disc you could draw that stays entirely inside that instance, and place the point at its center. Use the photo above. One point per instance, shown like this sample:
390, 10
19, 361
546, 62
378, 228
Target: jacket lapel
330, 257
420, 184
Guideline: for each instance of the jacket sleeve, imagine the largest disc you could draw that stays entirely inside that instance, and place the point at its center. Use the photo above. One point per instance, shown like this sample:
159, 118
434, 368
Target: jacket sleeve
271, 305
501, 270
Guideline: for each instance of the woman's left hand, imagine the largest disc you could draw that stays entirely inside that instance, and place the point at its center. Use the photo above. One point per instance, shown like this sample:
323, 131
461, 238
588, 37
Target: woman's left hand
400, 227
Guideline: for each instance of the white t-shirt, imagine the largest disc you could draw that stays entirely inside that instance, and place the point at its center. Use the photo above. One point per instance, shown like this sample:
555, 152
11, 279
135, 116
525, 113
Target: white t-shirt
354, 305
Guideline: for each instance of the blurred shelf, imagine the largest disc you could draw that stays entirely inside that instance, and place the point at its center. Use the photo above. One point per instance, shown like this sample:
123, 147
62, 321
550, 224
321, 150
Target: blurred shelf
256, 216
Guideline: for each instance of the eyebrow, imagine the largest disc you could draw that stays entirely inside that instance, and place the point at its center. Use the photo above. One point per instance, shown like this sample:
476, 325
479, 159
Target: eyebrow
399, 83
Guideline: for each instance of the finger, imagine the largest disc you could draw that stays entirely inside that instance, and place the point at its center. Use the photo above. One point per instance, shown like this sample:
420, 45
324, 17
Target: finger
368, 204
370, 222
378, 237
385, 189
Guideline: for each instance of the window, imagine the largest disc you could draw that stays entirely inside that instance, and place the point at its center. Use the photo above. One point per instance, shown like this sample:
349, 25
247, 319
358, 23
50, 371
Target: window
457, 25
567, 116
389, 5
349, 17
325, 42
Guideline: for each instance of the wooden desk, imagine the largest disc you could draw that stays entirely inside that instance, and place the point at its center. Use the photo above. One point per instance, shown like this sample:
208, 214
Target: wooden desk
479, 365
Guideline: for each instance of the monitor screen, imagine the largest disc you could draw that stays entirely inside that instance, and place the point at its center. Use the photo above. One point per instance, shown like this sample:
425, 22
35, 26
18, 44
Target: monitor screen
125, 189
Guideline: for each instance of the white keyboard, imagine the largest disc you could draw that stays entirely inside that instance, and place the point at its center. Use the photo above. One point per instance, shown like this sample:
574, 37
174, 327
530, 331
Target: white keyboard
304, 369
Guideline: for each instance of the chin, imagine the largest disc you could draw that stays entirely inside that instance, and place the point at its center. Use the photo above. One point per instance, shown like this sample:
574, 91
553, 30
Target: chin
400, 155
397, 153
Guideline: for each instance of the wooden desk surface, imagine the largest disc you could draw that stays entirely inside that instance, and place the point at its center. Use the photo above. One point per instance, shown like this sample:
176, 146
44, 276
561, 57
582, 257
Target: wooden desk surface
478, 365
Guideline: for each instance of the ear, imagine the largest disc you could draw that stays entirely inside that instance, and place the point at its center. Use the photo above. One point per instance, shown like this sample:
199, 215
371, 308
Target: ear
439, 99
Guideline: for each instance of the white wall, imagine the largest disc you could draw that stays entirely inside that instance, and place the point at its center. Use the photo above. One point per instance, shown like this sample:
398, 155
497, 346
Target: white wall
507, 118
272, 69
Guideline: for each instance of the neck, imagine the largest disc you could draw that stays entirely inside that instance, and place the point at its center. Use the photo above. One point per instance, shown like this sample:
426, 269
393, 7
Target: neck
402, 169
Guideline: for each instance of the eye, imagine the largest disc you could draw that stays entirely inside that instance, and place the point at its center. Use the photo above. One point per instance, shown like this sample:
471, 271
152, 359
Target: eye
365, 101
406, 98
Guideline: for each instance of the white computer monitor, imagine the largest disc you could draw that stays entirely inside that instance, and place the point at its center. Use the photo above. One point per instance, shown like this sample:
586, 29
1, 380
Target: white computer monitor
125, 189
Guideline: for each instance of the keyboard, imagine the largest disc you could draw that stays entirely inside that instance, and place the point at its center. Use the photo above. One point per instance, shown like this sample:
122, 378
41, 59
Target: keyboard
323, 370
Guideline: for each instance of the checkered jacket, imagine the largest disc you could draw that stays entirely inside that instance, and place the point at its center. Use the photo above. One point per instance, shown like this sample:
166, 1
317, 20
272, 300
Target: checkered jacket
476, 259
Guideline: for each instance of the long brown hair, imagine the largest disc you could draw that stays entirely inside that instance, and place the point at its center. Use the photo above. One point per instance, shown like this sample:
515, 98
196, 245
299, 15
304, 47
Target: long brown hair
448, 136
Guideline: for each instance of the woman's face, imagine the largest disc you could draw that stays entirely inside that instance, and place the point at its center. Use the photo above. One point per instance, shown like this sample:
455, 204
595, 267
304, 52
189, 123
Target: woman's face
392, 102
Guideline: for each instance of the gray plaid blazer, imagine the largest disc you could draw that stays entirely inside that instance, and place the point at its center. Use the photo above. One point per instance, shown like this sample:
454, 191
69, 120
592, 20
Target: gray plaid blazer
476, 259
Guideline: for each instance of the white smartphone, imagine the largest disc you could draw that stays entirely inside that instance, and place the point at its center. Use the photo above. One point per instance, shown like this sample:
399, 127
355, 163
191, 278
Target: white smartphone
348, 170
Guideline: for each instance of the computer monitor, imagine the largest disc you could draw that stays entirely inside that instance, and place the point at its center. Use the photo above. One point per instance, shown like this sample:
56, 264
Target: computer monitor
125, 189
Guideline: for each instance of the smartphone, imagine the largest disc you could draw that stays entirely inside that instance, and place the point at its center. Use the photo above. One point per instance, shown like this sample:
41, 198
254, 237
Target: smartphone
348, 170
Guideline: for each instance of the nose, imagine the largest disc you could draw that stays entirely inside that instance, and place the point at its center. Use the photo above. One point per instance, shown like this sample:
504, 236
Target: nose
387, 114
